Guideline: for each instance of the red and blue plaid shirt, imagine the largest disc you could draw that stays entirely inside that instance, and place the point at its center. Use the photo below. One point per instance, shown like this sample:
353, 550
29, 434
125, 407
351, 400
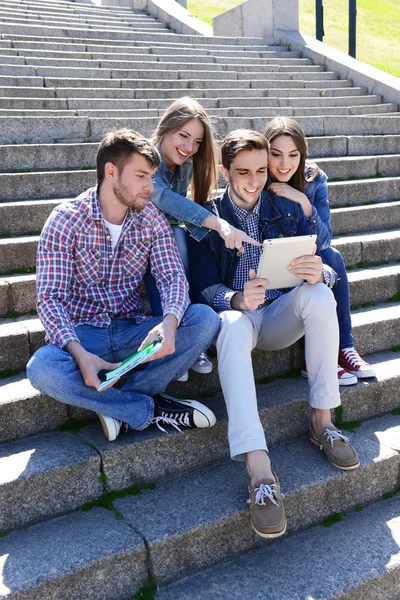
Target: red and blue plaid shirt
81, 280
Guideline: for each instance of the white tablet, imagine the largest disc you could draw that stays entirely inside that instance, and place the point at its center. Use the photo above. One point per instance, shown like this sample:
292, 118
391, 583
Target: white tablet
277, 254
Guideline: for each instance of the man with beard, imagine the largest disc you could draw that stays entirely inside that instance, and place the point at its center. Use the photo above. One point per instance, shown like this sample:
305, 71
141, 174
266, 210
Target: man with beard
92, 256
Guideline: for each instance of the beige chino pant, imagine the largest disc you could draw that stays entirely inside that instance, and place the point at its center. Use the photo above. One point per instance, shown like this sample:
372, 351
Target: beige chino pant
308, 310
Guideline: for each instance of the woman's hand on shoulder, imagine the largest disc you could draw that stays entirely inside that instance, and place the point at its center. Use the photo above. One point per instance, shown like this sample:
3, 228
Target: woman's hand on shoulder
286, 191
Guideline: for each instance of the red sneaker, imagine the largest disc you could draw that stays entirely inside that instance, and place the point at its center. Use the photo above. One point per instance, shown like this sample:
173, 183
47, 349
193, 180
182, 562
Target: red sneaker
350, 360
344, 377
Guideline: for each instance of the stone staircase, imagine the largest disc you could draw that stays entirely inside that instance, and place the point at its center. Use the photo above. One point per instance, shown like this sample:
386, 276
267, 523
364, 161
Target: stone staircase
85, 519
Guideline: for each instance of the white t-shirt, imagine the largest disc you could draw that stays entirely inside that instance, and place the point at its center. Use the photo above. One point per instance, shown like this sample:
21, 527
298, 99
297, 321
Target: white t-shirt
115, 231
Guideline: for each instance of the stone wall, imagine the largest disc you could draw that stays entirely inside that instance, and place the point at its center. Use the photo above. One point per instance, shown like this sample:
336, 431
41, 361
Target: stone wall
261, 18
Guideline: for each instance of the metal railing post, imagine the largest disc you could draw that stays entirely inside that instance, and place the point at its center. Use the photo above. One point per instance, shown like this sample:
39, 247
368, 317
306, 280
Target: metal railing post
319, 14
352, 27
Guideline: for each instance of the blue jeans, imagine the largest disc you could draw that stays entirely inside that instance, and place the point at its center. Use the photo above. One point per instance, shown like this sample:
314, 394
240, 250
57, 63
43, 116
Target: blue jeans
54, 372
333, 258
151, 287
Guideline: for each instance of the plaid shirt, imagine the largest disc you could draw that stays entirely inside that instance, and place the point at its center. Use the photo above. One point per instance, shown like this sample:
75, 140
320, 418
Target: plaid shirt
249, 223
82, 281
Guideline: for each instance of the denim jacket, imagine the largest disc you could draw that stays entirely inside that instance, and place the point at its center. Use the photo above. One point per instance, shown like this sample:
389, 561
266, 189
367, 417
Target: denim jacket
169, 196
320, 220
213, 265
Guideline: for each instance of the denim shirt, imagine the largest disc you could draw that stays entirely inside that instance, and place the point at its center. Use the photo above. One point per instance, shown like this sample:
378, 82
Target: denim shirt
169, 196
320, 220
213, 265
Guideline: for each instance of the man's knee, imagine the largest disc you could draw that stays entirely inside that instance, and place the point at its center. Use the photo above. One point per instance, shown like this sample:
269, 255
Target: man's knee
41, 365
318, 298
203, 316
235, 324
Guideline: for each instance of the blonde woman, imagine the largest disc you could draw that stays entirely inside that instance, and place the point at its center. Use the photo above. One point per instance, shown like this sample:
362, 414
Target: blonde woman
185, 141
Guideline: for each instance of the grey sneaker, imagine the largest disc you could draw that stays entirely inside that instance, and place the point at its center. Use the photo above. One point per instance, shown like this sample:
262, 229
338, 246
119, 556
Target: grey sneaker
267, 514
203, 364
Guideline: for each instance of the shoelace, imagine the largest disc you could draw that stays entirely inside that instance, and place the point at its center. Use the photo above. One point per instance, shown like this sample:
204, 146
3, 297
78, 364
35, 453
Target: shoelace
352, 356
266, 491
333, 435
171, 419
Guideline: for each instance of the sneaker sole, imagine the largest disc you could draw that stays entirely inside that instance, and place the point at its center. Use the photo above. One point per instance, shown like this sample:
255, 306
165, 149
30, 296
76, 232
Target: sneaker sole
341, 381
362, 375
269, 535
111, 436
351, 468
204, 371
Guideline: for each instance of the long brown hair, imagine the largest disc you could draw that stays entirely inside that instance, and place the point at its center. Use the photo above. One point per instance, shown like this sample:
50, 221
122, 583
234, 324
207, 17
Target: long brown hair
204, 177
288, 126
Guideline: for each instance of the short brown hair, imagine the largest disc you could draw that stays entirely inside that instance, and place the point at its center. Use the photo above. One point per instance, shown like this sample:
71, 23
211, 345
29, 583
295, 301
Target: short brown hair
241, 139
117, 146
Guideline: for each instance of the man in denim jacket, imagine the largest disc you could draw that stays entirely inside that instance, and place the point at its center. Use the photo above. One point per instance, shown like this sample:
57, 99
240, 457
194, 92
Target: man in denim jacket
254, 317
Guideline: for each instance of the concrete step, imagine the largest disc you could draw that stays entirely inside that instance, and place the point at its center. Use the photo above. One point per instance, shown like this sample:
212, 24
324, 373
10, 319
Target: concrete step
372, 285
107, 88
329, 152
16, 130
353, 145
74, 58
213, 112
369, 248
19, 253
59, 458
370, 534
73, 47
31, 102
375, 328
60, 463
364, 219
99, 557
12, 30
173, 72
81, 22
174, 41
67, 184
360, 166
381, 189
216, 528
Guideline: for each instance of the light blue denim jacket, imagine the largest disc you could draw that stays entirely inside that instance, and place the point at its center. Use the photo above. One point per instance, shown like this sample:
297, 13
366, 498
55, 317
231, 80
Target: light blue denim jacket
169, 196
320, 220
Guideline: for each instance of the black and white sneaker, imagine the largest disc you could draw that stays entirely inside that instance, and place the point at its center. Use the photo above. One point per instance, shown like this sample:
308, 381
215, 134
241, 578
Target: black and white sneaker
181, 413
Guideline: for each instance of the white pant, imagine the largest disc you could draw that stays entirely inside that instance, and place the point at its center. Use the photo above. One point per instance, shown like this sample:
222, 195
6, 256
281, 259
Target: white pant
308, 310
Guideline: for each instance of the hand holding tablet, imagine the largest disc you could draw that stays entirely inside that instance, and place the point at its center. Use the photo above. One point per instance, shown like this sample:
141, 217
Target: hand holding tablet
277, 256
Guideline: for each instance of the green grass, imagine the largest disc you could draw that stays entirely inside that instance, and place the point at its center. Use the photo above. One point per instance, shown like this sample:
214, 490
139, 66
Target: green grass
107, 499
334, 518
147, 591
378, 26
396, 411
75, 425
390, 495
8, 373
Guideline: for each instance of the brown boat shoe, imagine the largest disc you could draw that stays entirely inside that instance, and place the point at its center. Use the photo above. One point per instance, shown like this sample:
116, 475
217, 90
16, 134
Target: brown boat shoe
337, 448
266, 508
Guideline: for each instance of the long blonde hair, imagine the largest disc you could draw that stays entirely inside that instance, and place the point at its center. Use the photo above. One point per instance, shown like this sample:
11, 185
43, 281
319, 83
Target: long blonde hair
204, 178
